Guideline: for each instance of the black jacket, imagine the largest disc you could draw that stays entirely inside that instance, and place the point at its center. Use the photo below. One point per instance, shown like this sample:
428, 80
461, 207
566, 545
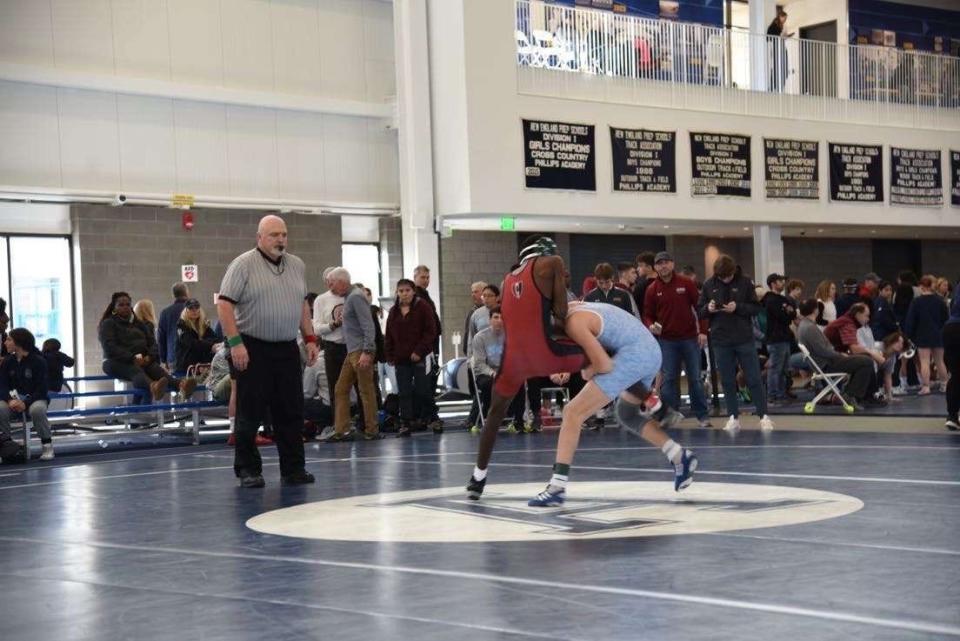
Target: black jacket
425, 295
780, 314
193, 348
121, 340
883, 320
616, 296
845, 301
28, 377
56, 363
729, 329
639, 292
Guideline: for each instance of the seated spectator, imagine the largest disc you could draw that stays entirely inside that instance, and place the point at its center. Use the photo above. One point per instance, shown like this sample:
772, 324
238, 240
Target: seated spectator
196, 341
57, 361
926, 317
145, 312
605, 292
480, 319
317, 408
410, 336
847, 336
130, 351
23, 387
892, 346
219, 381
486, 355
858, 366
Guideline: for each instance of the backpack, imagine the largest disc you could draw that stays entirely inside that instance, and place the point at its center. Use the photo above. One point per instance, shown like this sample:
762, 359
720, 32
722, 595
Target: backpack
11, 452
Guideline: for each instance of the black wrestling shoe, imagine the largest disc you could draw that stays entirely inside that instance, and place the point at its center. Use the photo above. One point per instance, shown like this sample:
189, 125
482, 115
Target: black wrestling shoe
475, 488
252, 481
297, 478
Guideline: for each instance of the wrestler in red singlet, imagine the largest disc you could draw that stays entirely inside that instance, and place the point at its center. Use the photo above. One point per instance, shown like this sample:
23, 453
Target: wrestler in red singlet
529, 350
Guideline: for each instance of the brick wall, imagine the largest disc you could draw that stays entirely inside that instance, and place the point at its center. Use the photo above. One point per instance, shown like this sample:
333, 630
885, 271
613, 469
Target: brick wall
140, 250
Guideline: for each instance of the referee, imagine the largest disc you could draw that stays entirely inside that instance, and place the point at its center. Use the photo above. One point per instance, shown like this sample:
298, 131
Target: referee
261, 306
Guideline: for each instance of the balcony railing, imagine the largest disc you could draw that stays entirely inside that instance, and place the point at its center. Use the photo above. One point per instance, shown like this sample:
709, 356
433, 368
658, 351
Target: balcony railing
798, 78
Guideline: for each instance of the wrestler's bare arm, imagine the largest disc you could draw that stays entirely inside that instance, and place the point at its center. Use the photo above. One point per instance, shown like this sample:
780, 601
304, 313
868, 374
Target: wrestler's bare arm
582, 328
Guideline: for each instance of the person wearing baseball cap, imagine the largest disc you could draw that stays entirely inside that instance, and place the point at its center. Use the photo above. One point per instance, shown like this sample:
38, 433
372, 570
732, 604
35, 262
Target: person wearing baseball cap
849, 296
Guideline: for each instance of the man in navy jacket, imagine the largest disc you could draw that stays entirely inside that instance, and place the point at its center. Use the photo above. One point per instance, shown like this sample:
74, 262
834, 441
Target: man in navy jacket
167, 325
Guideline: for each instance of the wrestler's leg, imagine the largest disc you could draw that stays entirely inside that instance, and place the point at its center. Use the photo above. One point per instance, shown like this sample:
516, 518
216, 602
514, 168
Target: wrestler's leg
488, 437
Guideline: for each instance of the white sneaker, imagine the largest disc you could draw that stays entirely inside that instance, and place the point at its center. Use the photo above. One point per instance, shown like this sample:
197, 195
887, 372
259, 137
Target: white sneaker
900, 390
704, 423
766, 425
732, 426
47, 452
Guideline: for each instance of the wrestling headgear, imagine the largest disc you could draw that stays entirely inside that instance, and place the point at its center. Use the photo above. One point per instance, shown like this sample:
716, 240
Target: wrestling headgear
538, 246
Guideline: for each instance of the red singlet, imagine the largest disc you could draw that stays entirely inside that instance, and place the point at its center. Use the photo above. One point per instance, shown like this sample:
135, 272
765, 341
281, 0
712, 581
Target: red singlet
528, 349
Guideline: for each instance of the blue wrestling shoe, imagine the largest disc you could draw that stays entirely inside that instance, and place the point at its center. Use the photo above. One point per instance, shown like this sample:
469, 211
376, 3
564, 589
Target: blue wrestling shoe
683, 471
550, 497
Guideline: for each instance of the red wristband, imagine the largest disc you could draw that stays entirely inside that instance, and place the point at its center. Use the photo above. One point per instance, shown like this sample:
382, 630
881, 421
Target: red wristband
310, 339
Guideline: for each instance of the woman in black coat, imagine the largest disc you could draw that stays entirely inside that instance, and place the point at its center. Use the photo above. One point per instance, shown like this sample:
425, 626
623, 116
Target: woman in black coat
924, 325
196, 340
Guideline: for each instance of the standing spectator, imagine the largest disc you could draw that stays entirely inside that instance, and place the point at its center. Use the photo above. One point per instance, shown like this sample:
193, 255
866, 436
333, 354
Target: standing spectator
409, 348
23, 387
849, 296
421, 276
476, 301
196, 341
645, 273
669, 313
360, 336
730, 303
262, 306
779, 64
328, 325
626, 276
903, 295
827, 295
869, 288
943, 290
883, 320
924, 325
480, 320
57, 361
130, 351
311, 299
167, 326
691, 272
781, 312
951, 357
860, 367
794, 292
605, 292
146, 313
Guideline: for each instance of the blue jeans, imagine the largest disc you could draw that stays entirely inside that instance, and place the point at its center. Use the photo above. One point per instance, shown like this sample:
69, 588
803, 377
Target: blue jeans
685, 353
746, 355
777, 369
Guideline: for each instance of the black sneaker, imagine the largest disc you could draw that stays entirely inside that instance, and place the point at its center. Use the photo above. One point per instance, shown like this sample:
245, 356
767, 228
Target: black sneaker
297, 478
376, 436
337, 437
436, 425
403, 432
252, 480
475, 488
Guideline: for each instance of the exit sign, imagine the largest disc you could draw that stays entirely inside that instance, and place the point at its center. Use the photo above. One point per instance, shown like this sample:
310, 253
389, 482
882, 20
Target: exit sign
507, 223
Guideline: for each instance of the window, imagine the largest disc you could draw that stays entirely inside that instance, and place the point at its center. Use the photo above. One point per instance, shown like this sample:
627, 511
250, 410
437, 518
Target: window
362, 260
35, 280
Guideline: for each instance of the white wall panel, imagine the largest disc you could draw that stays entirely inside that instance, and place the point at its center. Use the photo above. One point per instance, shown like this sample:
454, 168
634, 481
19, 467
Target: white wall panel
247, 50
25, 33
378, 29
346, 160
252, 152
141, 38
296, 46
195, 41
147, 144
29, 140
201, 135
341, 48
383, 162
300, 157
83, 34
90, 153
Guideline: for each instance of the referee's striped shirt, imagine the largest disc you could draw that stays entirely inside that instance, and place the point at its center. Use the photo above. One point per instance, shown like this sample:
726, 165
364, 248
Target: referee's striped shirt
268, 294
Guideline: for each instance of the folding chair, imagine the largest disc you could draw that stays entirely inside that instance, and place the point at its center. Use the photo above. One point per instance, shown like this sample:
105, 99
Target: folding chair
831, 382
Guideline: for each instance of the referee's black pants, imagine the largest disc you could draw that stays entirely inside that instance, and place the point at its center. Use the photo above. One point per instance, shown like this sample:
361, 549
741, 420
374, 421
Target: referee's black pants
272, 382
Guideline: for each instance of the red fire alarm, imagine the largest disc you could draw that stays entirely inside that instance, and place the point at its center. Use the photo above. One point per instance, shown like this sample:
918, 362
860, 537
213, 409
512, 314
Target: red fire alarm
187, 220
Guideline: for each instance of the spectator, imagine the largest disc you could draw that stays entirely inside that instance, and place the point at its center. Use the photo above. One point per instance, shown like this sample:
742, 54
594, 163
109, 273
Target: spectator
794, 292
377, 314
328, 325
485, 359
605, 292
893, 345
317, 408
903, 295
219, 381
848, 298
869, 288
167, 326
626, 276
951, 357
421, 276
411, 334
360, 337
480, 320
858, 366
476, 302
589, 284
4, 322
691, 272
130, 351
827, 295
943, 290
883, 320
57, 361
311, 299
146, 313
924, 325
669, 313
729, 301
843, 335
23, 387
196, 342
645, 273
781, 312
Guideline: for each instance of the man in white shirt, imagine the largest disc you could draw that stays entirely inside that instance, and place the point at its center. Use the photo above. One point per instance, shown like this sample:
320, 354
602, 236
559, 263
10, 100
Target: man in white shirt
328, 325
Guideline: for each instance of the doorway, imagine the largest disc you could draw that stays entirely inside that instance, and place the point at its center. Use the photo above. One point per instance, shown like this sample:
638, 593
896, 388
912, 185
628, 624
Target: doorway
818, 59
890, 257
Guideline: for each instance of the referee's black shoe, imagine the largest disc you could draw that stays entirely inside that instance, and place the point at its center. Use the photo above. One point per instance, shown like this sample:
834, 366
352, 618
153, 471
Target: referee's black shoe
298, 478
251, 481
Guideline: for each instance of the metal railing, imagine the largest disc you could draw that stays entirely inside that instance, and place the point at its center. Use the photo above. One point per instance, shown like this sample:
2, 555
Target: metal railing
700, 57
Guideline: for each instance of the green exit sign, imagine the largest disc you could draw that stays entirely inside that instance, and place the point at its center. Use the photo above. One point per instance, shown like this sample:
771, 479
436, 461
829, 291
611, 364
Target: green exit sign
507, 223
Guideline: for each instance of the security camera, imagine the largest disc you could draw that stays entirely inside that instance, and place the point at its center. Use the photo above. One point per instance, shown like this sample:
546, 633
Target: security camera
119, 200
803, 233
